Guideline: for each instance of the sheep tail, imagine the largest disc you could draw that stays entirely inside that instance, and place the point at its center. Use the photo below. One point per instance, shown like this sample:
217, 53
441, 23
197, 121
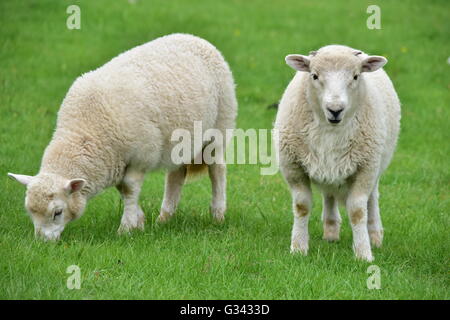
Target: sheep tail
195, 171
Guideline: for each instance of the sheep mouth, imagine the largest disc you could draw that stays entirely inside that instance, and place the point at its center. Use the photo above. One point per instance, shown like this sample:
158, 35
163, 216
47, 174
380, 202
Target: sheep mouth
334, 121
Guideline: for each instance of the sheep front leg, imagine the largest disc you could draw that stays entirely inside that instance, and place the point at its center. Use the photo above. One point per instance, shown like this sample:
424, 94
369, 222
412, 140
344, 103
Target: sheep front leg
374, 224
302, 203
172, 192
130, 188
331, 218
357, 204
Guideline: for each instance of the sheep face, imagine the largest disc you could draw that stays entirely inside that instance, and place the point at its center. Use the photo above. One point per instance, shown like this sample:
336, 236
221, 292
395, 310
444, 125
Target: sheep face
52, 201
334, 93
334, 82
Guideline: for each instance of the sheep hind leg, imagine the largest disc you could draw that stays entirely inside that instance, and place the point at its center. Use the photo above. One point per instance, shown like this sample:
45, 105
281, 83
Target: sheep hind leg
217, 174
172, 193
374, 224
331, 218
130, 188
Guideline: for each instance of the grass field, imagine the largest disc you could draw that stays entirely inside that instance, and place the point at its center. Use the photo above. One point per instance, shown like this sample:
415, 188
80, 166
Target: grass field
248, 256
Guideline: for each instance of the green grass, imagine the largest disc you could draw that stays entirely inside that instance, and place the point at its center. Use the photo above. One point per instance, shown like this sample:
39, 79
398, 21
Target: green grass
248, 256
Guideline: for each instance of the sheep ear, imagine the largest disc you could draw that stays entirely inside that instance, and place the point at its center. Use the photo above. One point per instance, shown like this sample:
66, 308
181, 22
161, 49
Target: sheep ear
23, 179
298, 62
74, 185
373, 63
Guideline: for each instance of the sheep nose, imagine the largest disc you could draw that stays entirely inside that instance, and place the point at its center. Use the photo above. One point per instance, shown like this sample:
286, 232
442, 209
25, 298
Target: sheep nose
335, 113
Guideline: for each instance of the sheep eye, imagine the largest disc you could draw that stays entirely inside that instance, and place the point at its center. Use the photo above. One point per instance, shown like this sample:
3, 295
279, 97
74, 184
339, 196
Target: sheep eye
355, 77
57, 213
315, 76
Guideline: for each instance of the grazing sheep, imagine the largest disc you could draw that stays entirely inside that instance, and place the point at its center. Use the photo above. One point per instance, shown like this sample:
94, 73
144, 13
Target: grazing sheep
115, 124
337, 126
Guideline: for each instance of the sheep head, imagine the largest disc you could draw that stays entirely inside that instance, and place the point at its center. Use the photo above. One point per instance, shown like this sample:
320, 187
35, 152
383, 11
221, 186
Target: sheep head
335, 76
52, 201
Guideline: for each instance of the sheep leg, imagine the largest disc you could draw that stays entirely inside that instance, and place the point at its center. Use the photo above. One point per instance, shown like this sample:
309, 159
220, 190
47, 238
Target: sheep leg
357, 205
130, 188
331, 218
374, 224
302, 203
217, 174
172, 192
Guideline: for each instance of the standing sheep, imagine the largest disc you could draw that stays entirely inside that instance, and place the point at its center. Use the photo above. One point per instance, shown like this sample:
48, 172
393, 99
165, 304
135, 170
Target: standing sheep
115, 124
337, 126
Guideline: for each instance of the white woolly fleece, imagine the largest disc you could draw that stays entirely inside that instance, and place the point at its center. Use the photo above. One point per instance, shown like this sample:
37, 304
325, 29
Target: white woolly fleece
123, 114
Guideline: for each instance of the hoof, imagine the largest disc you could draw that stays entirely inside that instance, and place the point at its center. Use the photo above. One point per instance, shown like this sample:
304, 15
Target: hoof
299, 248
331, 230
364, 254
126, 228
376, 238
164, 217
367, 258
218, 214
132, 223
